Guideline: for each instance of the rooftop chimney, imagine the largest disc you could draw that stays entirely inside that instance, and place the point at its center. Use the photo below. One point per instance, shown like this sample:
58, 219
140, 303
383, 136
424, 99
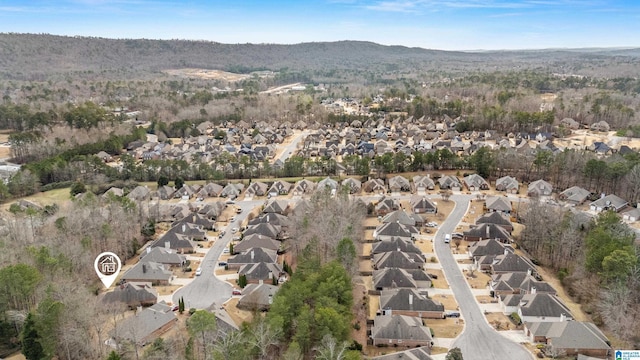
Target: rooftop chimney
252, 255
410, 299
487, 230
533, 290
144, 268
167, 245
184, 228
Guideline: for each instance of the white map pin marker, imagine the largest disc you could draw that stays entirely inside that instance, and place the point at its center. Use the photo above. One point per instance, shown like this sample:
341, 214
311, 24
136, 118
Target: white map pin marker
107, 267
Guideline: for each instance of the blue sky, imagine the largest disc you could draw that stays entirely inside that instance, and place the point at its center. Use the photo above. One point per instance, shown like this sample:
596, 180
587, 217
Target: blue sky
434, 24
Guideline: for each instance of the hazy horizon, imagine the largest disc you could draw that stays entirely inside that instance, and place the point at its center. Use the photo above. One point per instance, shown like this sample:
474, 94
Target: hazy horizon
459, 25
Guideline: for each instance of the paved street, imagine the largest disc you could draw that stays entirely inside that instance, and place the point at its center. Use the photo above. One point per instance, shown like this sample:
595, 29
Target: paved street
478, 341
293, 145
207, 289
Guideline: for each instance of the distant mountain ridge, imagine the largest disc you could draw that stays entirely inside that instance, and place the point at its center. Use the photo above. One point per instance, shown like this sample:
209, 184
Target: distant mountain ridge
31, 55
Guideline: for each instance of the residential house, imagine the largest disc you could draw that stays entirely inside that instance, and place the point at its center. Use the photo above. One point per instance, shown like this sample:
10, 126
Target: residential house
631, 215
388, 231
399, 184
264, 229
256, 241
304, 186
518, 283
395, 244
511, 263
131, 294
508, 184
261, 272
178, 242
271, 218
539, 188
489, 247
148, 272
496, 218
569, 338
257, 297
398, 259
487, 231
421, 353
327, 183
574, 195
388, 278
449, 183
252, 256
409, 302
475, 182
399, 216
147, 325
210, 190
139, 193
352, 184
422, 183
256, 188
276, 206
163, 256
200, 221
537, 307
165, 192
400, 330
609, 202
498, 204
386, 205
280, 187
232, 191
422, 205
376, 186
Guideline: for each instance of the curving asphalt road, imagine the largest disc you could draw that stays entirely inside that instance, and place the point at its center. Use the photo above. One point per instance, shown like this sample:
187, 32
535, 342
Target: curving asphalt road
478, 341
206, 289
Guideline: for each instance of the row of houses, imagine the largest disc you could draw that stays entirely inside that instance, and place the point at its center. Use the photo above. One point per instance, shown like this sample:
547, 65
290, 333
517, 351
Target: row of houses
401, 281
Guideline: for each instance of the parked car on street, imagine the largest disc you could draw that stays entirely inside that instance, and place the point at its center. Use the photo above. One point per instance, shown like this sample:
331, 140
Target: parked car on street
198, 271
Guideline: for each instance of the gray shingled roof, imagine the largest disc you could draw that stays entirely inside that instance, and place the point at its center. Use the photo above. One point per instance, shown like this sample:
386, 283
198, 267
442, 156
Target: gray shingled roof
257, 296
396, 229
253, 256
260, 271
570, 334
420, 353
575, 194
256, 241
488, 231
142, 325
399, 216
264, 229
393, 278
488, 247
398, 299
506, 183
395, 244
498, 203
163, 256
400, 327
132, 294
543, 305
398, 259
494, 218
512, 263
148, 271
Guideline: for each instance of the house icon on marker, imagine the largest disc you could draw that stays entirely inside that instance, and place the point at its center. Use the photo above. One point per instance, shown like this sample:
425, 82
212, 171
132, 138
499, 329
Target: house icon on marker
618, 355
